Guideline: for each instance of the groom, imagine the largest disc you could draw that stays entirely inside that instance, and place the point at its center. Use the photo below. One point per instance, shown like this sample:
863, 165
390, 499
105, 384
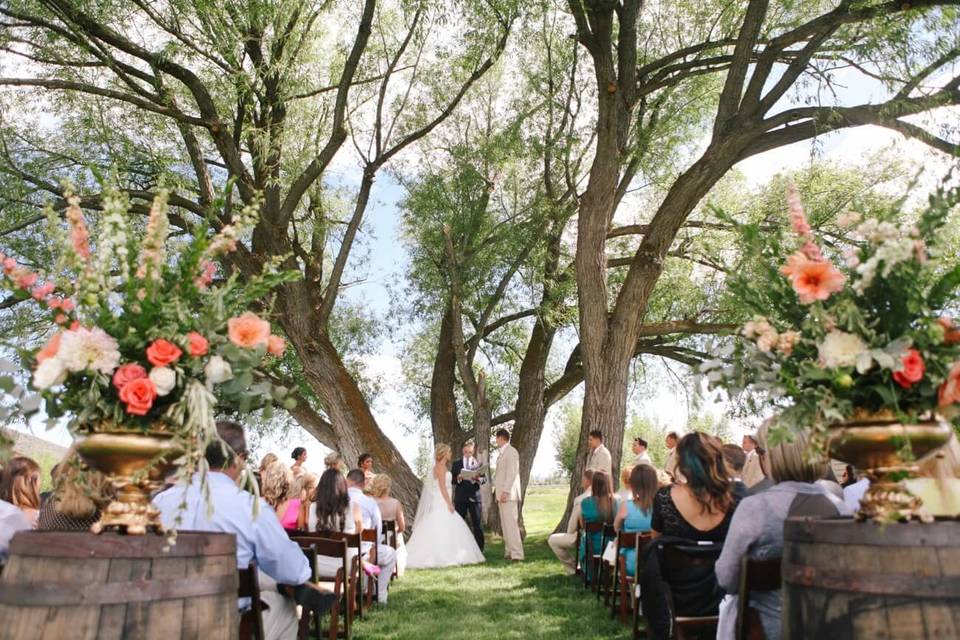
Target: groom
466, 493
507, 489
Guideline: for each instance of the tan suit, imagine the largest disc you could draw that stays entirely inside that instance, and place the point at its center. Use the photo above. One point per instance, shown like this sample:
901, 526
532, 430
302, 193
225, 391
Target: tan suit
752, 471
507, 481
670, 466
564, 544
600, 460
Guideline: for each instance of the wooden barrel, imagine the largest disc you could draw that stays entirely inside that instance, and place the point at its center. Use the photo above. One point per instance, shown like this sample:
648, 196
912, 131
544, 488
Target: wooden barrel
858, 580
80, 585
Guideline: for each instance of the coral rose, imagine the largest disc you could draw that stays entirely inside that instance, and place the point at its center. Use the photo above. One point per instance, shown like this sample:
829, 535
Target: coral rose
248, 330
50, 349
163, 352
139, 395
128, 373
950, 390
276, 345
951, 334
197, 345
912, 371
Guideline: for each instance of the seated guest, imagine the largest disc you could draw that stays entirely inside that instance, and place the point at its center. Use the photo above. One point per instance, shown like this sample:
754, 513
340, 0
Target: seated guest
639, 448
333, 461
20, 486
259, 538
390, 509
299, 456
600, 506
698, 510
332, 512
635, 515
279, 491
735, 457
563, 544
12, 520
265, 462
853, 493
849, 476
753, 471
756, 529
625, 494
372, 519
365, 463
79, 493
305, 488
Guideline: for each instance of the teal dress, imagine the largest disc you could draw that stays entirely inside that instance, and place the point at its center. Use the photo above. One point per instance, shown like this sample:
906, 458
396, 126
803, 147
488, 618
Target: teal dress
591, 513
637, 521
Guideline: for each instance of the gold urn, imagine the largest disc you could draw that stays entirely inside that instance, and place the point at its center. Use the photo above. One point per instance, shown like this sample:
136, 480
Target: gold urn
135, 463
887, 451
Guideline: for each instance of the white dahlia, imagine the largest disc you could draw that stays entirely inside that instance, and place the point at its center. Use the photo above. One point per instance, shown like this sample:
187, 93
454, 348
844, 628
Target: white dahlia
89, 349
841, 349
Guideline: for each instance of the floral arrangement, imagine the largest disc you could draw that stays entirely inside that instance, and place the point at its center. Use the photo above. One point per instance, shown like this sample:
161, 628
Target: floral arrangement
857, 326
143, 335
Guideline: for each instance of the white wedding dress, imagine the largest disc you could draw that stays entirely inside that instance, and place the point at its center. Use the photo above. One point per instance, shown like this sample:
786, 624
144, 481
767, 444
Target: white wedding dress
440, 538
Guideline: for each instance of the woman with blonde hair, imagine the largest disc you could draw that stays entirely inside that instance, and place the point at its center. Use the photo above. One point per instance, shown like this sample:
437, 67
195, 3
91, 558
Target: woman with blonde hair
390, 509
938, 484
79, 493
306, 490
20, 486
279, 491
441, 538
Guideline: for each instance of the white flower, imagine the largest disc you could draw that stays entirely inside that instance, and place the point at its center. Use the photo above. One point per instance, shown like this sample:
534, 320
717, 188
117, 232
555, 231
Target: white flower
217, 370
164, 379
840, 349
849, 219
89, 349
50, 373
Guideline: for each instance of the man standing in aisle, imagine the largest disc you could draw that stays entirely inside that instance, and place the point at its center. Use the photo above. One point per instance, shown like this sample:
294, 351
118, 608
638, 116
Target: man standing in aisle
507, 486
599, 458
670, 466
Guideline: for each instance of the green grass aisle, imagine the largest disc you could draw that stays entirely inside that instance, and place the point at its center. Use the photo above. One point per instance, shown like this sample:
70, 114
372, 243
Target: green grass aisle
532, 599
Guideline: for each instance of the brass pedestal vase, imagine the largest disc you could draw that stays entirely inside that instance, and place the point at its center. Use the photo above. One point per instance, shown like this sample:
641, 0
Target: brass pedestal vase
134, 463
887, 450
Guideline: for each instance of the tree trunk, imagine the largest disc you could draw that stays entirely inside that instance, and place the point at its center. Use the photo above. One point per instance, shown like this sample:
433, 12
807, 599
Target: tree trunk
444, 417
530, 410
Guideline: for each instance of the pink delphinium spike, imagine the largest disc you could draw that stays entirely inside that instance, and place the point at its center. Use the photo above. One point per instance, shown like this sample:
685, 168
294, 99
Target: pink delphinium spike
795, 209
79, 236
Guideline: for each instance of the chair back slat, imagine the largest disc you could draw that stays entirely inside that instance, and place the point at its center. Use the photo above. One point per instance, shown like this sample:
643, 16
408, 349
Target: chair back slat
755, 575
248, 586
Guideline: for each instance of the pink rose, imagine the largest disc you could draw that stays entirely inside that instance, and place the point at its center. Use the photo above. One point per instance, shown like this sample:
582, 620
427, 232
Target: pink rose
68, 305
163, 352
139, 395
197, 345
126, 374
276, 345
50, 349
248, 330
912, 370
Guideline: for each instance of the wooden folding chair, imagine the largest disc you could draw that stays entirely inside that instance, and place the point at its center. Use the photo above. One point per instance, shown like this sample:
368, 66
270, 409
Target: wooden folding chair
589, 555
755, 575
313, 547
603, 576
390, 539
373, 585
679, 560
356, 578
578, 570
623, 591
251, 620
642, 542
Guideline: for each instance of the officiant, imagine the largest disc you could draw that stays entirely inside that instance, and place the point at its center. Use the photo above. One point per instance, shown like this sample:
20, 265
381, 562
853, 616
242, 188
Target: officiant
466, 493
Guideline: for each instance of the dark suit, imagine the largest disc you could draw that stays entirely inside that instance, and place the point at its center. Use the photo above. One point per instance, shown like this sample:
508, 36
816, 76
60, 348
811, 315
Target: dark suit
466, 500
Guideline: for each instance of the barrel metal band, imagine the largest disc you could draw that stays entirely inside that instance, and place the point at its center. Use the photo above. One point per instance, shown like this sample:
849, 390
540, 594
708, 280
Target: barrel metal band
69, 595
880, 584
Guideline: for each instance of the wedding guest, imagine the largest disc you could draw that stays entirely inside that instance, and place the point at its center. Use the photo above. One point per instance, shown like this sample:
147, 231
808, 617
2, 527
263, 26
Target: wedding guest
372, 519
636, 514
849, 476
365, 463
697, 510
279, 491
299, 456
332, 511
735, 457
601, 506
284, 570
305, 489
12, 520
563, 544
756, 529
753, 472
79, 493
938, 484
625, 493
599, 458
670, 466
333, 461
639, 448
852, 494
20, 486
390, 509
266, 461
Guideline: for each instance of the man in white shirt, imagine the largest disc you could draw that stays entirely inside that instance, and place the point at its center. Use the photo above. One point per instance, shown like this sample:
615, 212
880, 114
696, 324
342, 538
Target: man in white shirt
670, 466
852, 494
752, 469
372, 519
284, 569
12, 520
564, 544
599, 458
639, 448
507, 490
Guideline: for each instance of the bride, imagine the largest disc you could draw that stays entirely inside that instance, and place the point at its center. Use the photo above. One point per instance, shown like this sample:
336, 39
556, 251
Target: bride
440, 537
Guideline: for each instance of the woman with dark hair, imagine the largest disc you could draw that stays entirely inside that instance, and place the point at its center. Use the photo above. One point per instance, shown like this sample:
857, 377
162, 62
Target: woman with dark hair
299, 456
79, 493
332, 512
697, 511
365, 464
20, 486
635, 515
600, 506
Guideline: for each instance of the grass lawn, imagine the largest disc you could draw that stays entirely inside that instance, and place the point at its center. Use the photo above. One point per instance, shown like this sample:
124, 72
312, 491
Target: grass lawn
532, 599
